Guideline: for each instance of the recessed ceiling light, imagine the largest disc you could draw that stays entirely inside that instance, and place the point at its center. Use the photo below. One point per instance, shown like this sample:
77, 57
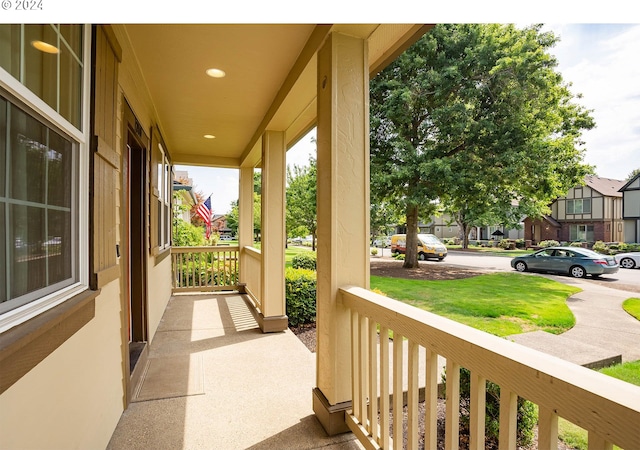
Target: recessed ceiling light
209, 136
216, 73
46, 48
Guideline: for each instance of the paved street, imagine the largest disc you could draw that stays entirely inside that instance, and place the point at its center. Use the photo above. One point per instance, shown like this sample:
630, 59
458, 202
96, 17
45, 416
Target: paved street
626, 279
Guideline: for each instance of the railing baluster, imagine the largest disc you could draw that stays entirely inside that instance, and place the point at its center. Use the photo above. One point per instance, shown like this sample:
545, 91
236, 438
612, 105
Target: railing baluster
205, 268
384, 387
355, 366
452, 421
364, 380
547, 429
477, 412
431, 400
596, 442
412, 396
193, 269
373, 378
508, 419
398, 415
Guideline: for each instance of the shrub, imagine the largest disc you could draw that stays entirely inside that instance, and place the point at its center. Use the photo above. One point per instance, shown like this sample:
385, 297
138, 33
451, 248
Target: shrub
549, 243
504, 244
601, 247
520, 243
186, 234
527, 413
374, 251
399, 257
306, 260
300, 291
576, 244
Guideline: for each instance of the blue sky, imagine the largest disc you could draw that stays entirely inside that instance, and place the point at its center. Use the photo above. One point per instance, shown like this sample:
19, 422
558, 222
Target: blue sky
600, 60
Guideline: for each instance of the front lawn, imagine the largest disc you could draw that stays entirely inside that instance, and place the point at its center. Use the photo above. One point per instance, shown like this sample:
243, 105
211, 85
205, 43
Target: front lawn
632, 306
498, 303
291, 251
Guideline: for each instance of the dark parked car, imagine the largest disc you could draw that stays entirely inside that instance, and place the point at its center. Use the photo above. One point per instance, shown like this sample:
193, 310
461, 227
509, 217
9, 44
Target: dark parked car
575, 261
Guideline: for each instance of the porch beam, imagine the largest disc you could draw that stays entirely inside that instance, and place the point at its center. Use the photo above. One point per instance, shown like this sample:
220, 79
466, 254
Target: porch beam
342, 204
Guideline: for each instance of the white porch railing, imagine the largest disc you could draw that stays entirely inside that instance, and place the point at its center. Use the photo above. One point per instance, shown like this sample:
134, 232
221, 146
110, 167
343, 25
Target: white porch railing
607, 408
253, 274
204, 268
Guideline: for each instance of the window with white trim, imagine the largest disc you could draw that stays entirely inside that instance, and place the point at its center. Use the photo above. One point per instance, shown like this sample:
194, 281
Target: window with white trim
579, 206
43, 168
165, 182
581, 233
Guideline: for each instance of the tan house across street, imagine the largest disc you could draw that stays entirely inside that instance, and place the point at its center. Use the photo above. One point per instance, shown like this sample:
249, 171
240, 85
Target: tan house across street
93, 119
588, 213
631, 209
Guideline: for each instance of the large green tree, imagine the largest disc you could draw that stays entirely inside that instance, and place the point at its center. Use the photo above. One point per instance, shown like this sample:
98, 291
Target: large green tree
476, 117
301, 199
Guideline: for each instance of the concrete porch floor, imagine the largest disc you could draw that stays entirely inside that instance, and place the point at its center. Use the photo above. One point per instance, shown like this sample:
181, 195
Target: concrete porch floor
215, 381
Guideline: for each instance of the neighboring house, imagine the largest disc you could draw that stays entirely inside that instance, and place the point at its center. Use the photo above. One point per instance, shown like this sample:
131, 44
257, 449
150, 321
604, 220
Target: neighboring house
588, 213
219, 224
444, 227
631, 209
186, 197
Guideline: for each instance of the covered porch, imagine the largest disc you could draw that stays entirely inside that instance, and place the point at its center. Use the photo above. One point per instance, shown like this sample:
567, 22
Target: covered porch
214, 380
242, 380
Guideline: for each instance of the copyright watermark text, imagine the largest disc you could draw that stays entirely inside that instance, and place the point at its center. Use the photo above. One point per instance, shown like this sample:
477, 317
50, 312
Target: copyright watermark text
21, 5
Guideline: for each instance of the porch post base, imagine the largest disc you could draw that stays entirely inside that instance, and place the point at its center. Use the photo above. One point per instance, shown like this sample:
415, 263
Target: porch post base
331, 417
272, 324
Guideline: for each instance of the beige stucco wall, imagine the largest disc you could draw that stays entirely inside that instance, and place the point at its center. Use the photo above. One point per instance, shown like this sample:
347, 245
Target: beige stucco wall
73, 398
158, 291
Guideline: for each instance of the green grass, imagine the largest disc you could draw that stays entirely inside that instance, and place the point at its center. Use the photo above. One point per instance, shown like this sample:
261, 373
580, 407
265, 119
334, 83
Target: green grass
572, 435
632, 306
629, 372
290, 252
499, 303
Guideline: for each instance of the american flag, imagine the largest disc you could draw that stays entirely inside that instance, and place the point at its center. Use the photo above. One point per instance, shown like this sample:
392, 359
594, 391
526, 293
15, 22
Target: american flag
204, 211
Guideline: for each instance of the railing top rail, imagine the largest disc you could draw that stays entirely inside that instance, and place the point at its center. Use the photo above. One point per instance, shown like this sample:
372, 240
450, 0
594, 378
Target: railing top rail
252, 251
594, 401
201, 249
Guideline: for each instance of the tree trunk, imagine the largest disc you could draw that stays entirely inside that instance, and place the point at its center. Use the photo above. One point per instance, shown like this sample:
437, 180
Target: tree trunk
313, 240
465, 235
411, 252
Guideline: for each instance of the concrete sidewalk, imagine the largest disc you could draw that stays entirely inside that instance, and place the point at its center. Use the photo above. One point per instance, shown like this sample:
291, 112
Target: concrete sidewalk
603, 329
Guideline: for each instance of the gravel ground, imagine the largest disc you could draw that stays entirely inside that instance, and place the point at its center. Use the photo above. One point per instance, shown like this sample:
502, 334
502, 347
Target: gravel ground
307, 334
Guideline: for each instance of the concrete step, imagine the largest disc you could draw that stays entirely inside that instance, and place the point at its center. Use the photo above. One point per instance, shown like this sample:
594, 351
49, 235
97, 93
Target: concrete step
576, 352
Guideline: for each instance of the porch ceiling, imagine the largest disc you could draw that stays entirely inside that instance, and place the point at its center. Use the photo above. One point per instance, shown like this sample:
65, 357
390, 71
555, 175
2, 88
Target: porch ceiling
270, 82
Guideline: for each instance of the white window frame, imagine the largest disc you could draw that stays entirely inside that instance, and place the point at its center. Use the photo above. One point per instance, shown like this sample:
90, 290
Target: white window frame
25, 312
164, 196
578, 201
